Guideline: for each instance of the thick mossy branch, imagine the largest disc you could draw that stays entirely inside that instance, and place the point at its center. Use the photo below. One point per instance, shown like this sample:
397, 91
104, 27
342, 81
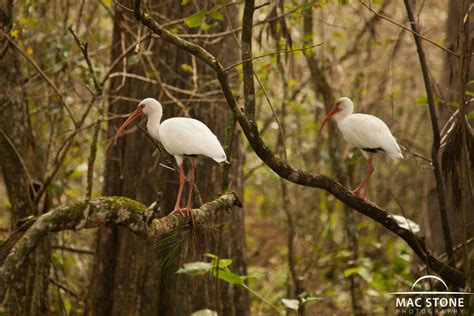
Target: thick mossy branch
286, 171
104, 211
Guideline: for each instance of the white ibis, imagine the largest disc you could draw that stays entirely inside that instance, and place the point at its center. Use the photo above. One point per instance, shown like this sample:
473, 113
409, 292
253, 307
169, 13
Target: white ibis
181, 137
366, 132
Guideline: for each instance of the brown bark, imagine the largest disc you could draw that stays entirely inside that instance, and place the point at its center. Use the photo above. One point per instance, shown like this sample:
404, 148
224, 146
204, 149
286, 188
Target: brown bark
128, 278
21, 167
104, 211
450, 93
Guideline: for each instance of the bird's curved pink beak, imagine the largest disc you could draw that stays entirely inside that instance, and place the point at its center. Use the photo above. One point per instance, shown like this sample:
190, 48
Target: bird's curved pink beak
328, 116
130, 119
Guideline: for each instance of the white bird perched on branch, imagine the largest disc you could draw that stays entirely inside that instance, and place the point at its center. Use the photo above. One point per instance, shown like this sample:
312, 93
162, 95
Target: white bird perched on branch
181, 137
366, 132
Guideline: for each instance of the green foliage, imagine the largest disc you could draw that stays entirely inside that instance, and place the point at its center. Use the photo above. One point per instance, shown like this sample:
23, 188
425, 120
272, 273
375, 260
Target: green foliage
219, 268
195, 268
295, 304
197, 19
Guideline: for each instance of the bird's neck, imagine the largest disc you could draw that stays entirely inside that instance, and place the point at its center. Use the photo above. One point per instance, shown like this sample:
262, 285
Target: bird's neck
153, 123
340, 116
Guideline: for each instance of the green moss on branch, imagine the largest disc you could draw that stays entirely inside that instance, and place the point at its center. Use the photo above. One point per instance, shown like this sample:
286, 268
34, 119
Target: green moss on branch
104, 211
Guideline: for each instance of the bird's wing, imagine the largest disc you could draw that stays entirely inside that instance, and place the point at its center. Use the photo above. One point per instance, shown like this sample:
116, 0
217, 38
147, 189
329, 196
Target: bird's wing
368, 131
187, 136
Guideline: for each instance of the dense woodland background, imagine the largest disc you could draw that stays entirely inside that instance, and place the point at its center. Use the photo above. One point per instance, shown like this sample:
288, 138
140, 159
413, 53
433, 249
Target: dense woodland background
71, 71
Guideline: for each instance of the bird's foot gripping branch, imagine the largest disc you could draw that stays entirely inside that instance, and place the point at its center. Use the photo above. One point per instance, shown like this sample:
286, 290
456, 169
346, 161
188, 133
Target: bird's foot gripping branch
104, 211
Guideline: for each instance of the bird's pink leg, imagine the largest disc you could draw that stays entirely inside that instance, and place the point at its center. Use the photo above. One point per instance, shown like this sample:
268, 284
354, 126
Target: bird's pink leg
192, 178
370, 170
360, 190
177, 207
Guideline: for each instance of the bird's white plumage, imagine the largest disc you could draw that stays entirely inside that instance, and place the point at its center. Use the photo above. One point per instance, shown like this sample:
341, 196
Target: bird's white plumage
367, 131
364, 131
183, 136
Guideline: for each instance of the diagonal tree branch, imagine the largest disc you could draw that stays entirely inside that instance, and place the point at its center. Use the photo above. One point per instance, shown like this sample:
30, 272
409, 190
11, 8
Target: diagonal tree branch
105, 211
436, 136
294, 175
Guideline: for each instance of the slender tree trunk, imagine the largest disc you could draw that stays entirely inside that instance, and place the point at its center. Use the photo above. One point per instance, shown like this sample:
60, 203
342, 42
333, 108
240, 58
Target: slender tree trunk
322, 88
132, 277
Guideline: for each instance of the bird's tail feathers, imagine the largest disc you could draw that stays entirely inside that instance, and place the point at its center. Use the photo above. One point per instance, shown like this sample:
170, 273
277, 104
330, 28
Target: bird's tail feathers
396, 155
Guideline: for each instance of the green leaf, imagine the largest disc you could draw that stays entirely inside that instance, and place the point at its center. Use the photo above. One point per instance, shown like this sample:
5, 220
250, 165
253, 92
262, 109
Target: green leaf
196, 19
343, 2
377, 1
291, 303
470, 115
224, 263
216, 15
350, 271
293, 82
187, 68
205, 26
422, 101
469, 93
195, 268
228, 277
184, 2
308, 6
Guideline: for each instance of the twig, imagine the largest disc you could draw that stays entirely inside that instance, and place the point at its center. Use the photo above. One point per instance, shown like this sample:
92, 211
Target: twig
45, 77
239, 29
271, 54
65, 289
415, 33
84, 49
95, 137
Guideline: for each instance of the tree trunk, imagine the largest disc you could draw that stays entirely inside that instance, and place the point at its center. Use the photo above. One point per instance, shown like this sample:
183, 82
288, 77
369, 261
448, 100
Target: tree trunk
129, 275
450, 92
20, 166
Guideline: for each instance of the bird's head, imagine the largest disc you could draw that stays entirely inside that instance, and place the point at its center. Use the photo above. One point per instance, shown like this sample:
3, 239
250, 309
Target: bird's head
147, 107
342, 108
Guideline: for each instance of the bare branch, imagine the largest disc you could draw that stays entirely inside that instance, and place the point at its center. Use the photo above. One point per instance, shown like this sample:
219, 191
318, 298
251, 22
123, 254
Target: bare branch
43, 74
415, 33
272, 54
